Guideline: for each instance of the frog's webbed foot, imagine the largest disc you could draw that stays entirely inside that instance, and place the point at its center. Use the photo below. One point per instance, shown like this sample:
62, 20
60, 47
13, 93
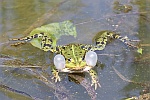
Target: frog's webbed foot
18, 43
56, 76
127, 41
102, 38
25, 39
95, 83
95, 80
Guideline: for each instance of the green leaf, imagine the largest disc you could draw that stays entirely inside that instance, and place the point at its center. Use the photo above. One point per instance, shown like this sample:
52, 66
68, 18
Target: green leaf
57, 29
53, 31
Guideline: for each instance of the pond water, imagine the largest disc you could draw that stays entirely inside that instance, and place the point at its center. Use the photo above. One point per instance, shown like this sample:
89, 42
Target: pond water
19, 17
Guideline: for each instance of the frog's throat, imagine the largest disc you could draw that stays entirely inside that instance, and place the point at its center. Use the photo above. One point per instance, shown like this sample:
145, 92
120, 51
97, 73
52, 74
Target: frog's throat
85, 69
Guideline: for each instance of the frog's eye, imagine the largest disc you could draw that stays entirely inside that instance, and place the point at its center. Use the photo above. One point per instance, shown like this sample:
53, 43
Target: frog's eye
59, 61
91, 58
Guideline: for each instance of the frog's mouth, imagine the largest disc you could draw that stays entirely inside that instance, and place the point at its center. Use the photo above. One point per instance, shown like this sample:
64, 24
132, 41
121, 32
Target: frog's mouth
74, 70
90, 58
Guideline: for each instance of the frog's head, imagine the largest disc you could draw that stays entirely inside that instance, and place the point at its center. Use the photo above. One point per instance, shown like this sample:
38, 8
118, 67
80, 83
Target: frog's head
73, 58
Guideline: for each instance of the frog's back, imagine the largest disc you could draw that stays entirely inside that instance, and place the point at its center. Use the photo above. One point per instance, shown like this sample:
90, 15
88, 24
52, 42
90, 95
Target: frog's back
74, 55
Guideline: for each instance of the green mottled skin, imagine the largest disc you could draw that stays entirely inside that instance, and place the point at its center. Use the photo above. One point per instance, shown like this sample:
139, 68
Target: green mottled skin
74, 53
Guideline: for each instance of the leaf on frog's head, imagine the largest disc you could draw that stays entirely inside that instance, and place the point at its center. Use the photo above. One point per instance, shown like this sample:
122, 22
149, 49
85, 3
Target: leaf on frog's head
139, 50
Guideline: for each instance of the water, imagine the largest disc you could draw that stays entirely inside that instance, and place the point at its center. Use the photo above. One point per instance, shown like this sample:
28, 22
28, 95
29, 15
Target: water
90, 17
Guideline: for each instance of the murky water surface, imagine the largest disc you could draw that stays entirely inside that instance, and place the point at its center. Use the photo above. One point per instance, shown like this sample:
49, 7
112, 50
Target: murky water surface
90, 17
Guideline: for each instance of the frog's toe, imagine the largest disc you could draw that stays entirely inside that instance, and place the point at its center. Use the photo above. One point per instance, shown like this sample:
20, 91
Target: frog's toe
57, 78
96, 84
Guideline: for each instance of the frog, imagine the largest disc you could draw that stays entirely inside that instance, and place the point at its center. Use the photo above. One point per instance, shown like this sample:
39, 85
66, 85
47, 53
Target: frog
72, 57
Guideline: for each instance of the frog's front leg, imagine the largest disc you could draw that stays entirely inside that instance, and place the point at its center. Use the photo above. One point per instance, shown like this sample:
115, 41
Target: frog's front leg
55, 73
94, 77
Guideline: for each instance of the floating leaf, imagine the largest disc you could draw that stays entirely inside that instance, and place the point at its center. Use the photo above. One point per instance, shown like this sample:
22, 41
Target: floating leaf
57, 29
53, 31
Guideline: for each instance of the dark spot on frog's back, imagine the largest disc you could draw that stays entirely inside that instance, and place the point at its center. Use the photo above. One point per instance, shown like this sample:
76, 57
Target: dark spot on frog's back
80, 52
63, 47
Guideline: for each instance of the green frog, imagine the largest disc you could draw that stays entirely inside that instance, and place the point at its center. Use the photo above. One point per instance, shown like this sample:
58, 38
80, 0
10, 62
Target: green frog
74, 57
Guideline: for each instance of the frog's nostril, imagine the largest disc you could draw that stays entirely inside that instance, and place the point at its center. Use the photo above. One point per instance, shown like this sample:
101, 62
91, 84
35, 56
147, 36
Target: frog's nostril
59, 61
91, 58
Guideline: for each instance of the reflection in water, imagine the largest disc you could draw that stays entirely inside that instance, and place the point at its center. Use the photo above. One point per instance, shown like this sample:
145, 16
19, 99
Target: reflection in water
80, 79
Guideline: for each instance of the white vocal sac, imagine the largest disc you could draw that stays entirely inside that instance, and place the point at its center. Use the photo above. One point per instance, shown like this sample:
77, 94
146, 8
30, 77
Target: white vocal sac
59, 61
91, 58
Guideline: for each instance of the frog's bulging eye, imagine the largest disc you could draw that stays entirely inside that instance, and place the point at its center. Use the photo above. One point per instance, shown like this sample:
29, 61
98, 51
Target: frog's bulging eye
59, 61
91, 58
